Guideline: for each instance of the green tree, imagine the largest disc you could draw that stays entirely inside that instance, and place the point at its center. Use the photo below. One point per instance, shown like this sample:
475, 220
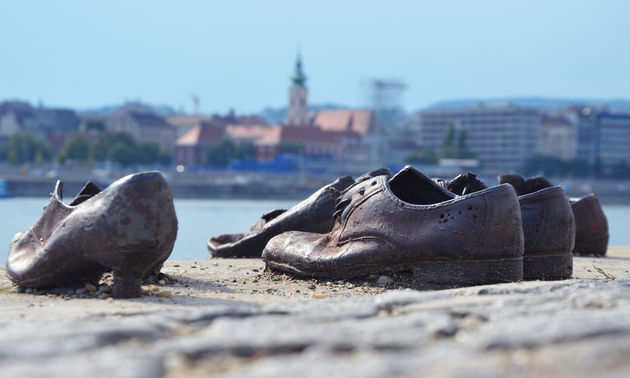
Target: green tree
448, 149
427, 156
165, 158
448, 139
122, 154
25, 147
147, 153
245, 151
77, 148
107, 140
220, 154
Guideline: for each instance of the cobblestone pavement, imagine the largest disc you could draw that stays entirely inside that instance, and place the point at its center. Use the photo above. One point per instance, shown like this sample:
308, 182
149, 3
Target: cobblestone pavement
225, 317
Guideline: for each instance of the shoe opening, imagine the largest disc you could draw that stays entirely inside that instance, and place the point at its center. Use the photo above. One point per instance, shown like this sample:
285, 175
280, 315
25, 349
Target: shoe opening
523, 187
89, 190
412, 186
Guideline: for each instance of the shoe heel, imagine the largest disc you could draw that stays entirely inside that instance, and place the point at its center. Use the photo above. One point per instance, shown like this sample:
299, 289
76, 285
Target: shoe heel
469, 273
548, 267
127, 284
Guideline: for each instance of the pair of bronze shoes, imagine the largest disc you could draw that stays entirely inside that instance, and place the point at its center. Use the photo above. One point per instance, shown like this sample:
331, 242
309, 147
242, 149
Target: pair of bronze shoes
456, 232
591, 225
129, 228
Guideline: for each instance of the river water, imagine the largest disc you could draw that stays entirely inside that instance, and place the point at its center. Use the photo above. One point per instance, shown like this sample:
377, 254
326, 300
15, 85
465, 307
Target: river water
200, 219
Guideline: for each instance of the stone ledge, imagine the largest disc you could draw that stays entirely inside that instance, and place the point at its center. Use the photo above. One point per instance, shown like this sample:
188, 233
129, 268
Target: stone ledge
229, 317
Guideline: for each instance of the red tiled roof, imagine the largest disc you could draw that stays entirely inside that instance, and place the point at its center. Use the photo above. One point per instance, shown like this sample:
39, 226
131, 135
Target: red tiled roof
249, 132
362, 121
340, 120
203, 133
267, 135
311, 135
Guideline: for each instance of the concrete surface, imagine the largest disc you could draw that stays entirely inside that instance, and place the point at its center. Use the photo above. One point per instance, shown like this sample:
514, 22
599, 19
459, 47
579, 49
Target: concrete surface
230, 317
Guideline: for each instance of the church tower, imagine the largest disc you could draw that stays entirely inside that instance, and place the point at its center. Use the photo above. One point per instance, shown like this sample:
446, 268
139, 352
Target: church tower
297, 114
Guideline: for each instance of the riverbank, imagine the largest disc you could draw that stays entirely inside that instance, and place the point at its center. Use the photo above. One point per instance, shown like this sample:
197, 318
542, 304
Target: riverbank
230, 317
225, 184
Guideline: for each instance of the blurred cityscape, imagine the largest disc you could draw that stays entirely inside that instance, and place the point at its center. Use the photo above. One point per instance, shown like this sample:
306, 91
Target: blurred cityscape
290, 151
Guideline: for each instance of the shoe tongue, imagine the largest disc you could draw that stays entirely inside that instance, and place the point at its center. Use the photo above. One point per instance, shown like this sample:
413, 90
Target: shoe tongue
89, 190
464, 184
523, 187
412, 186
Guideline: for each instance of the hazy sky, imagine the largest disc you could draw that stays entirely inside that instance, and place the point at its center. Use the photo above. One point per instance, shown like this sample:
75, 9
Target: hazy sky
240, 54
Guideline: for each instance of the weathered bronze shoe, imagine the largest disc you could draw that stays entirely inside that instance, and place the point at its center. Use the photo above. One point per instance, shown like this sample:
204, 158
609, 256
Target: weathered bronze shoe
313, 214
591, 226
410, 222
548, 226
130, 228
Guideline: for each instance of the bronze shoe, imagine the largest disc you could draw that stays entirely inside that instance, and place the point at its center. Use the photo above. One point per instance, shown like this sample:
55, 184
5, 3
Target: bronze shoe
548, 226
410, 222
591, 226
130, 228
313, 214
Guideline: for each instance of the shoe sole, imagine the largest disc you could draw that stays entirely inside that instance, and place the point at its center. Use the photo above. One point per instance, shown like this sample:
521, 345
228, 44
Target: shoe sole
469, 273
434, 273
556, 266
589, 254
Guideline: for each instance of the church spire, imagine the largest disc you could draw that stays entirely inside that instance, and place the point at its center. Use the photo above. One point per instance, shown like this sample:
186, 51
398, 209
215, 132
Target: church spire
298, 77
297, 113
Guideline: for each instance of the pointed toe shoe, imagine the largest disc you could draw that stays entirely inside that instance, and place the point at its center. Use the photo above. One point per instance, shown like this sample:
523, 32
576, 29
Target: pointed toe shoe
130, 227
314, 214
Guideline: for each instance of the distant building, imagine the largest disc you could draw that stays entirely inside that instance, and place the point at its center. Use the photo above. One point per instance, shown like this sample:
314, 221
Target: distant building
297, 113
614, 138
268, 140
16, 116
343, 120
503, 138
314, 142
183, 123
190, 148
602, 137
144, 127
557, 137
57, 126
331, 133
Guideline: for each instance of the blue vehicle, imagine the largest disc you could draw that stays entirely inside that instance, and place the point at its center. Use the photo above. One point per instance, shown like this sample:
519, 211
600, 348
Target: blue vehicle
4, 190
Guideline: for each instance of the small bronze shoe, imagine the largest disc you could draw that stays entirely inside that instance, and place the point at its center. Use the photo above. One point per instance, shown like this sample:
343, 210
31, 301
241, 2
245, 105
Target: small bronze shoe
409, 222
130, 228
591, 226
313, 214
548, 225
